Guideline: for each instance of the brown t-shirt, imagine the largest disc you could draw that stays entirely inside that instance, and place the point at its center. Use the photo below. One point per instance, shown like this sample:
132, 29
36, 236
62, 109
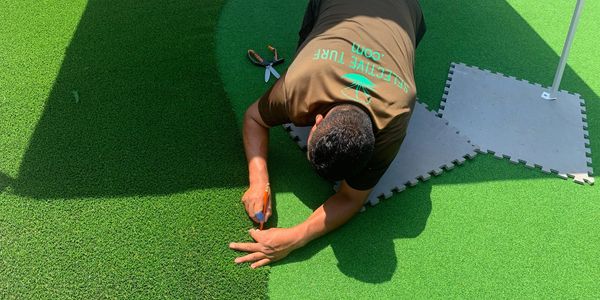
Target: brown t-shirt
359, 52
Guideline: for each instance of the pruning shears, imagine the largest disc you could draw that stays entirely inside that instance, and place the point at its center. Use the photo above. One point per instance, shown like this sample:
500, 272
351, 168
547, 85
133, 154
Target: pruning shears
268, 64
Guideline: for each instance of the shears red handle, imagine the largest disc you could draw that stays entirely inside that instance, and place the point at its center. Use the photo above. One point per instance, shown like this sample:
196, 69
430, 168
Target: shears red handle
256, 59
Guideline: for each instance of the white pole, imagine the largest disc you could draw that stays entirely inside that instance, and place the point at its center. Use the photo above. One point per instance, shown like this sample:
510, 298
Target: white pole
565, 53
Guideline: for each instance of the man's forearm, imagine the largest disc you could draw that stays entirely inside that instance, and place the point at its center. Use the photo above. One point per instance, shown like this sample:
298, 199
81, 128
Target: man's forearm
336, 211
256, 143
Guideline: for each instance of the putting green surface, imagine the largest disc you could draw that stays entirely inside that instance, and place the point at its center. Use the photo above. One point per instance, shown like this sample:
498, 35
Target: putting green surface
121, 161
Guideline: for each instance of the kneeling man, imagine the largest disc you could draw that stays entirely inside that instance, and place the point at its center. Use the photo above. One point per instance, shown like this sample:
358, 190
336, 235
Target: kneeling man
352, 80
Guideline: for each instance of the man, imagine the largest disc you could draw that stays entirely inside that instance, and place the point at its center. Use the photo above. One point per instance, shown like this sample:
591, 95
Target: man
352, 80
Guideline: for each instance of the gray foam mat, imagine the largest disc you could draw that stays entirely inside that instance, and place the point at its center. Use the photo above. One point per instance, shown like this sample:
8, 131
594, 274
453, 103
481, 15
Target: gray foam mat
508, 118
430, 146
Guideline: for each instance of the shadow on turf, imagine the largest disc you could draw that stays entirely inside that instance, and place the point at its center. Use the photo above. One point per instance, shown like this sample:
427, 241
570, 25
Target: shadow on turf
361, 255
136, 109
5, 181
364, 247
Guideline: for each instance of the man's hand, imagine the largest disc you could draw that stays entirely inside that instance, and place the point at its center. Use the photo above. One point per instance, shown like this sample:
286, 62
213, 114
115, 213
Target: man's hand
253, 201
276, 243
271, 245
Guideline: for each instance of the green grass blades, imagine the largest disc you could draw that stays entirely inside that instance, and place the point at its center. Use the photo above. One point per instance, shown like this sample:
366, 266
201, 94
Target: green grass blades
121, 164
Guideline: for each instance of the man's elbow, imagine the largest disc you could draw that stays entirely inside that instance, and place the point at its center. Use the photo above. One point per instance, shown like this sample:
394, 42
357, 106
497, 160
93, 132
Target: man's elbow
248, 114
358, 197
357, 200
252, 116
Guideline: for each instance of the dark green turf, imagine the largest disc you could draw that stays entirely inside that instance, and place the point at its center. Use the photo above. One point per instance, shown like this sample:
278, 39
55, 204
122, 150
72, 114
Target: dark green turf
486, 229
133, 190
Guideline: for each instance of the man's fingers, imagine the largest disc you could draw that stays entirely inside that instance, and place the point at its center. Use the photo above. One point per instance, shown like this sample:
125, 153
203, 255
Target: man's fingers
256, 234
247, 205
260, 263
246, 247
269, 211
250, 257
248, 208
250, 211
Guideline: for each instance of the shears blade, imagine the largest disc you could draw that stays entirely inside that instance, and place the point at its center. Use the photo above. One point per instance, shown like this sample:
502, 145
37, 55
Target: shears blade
274, 72
268, 70
267, 73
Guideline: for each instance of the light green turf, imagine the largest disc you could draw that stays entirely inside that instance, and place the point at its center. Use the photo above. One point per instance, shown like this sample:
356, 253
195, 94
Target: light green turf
486, 229
132, 191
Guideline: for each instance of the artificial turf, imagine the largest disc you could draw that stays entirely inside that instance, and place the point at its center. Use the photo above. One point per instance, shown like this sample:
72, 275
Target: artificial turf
132, 190
485, 229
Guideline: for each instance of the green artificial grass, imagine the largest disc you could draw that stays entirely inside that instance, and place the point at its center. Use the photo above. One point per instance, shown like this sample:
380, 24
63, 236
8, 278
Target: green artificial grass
121, 161
485, 229
121, 164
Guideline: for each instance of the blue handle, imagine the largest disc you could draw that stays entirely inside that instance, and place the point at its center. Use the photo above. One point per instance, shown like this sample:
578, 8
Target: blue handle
259, 215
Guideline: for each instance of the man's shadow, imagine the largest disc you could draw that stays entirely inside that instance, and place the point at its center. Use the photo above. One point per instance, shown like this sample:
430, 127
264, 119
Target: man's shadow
364, 246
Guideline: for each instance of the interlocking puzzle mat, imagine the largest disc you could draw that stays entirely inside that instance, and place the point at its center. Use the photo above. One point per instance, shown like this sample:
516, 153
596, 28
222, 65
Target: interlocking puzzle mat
507, 117
430, 146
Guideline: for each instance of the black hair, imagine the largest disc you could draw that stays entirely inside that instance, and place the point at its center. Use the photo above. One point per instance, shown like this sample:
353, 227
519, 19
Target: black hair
342, 143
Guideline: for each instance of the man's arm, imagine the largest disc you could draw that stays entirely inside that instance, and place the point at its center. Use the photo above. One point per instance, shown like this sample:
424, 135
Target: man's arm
256, 144
276, 243
336, 211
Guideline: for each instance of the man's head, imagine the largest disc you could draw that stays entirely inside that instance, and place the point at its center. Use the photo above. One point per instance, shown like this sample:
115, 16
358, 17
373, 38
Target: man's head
341, 143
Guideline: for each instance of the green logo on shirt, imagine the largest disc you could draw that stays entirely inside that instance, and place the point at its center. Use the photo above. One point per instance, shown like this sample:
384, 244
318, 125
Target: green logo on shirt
359, 88
364, 62
366, 52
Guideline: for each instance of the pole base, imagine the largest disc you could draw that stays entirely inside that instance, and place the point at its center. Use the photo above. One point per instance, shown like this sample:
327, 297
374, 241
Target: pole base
548, 96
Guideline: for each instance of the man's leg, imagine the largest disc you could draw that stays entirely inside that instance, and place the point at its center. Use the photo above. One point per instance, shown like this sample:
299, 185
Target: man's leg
421, 28
310, 17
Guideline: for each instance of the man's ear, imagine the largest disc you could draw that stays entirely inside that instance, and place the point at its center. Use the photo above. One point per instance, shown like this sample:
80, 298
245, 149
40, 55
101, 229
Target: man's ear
318, 119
